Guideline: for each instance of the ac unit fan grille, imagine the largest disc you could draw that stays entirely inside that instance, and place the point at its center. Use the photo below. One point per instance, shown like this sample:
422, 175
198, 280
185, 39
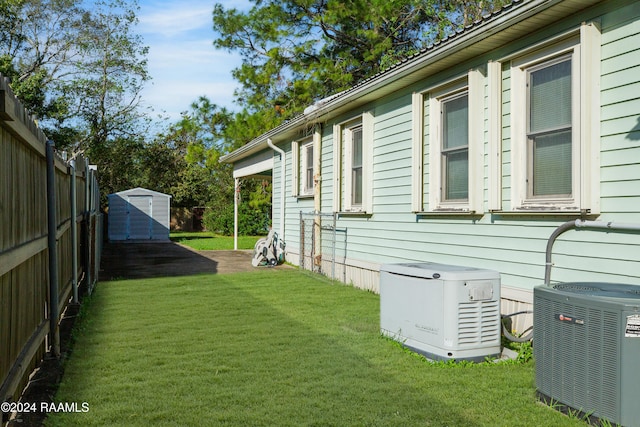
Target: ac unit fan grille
575, 287
578, 363
599, 289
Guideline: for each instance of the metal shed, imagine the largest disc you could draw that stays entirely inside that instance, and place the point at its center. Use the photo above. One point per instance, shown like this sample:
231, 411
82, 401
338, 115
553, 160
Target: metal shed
139, 214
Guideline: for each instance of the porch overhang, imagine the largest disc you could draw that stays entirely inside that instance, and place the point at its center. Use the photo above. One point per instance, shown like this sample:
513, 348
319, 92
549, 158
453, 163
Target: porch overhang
257, 166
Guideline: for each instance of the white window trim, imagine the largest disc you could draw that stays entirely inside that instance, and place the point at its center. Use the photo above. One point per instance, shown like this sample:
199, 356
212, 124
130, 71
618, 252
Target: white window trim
584, 49
342, 197
494, 133
298, 177
473, 84
306, 186
295, 168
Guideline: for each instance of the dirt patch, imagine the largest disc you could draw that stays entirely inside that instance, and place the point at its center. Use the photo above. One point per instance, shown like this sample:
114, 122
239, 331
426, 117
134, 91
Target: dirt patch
125, 261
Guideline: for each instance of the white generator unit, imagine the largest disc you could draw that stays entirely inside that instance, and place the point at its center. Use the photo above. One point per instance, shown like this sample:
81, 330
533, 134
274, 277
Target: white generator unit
442, 311
586, 340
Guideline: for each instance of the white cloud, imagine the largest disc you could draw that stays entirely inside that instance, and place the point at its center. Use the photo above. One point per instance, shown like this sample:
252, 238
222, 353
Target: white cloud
219, 93
175, 19
182, 60
174, 53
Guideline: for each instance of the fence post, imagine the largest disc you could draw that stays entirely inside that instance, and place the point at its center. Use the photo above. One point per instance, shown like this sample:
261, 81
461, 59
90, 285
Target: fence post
54, 314
87, 226
74, 231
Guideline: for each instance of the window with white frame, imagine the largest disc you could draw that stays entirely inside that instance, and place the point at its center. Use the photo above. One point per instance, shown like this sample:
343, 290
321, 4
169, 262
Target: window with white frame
447, 124
306, 169
355, 164
352, 165
549, 129
303, 184
454, 147
554, 119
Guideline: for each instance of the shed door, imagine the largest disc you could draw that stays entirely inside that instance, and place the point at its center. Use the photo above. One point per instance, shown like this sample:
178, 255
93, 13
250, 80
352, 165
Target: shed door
139, 217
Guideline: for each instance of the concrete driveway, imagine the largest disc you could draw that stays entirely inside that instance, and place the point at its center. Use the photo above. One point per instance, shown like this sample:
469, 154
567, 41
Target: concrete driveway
136, 260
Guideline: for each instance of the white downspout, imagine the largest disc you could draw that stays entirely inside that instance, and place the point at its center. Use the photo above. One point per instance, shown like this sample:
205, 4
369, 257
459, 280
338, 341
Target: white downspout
283, 174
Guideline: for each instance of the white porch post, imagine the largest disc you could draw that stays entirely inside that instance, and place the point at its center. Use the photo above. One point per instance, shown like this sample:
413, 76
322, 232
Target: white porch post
236, 201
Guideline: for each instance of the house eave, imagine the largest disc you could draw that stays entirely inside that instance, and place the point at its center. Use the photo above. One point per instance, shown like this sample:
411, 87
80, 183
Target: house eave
277, 134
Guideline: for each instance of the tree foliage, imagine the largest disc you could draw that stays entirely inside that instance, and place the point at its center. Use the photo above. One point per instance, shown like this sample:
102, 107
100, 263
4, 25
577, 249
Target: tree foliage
37, 45
79, 67
296, 52
254, 211
190, 151
111, 71
198, 139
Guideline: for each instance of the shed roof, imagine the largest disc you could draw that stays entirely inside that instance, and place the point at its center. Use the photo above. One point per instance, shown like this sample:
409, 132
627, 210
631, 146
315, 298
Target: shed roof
138, 190
511, 22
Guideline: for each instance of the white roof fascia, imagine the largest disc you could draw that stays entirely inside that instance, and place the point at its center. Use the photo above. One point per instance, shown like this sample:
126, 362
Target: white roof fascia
139, 189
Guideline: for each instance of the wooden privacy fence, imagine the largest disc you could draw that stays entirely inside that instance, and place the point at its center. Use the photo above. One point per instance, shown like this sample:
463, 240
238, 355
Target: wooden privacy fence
50, 241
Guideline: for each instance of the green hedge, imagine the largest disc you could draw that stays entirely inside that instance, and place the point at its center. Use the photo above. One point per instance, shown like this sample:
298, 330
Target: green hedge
251, 222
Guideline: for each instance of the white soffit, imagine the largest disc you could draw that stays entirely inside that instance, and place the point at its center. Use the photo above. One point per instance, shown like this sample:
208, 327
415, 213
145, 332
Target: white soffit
253, 165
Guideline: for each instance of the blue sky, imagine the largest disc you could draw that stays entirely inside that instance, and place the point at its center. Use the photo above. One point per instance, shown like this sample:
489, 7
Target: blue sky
183, 63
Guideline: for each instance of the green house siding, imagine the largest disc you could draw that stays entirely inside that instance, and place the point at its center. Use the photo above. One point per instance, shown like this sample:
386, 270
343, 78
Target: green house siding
507, 240
392, 157
511, 244
293, 205
620, 113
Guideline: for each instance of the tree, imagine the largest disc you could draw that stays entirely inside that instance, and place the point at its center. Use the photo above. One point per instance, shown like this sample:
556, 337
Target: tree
118, 165
191, 149
296, 52
80, 72
37, 44
111, 71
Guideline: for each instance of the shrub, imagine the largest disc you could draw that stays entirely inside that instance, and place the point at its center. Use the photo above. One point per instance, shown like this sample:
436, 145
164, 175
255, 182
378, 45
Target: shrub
251, 222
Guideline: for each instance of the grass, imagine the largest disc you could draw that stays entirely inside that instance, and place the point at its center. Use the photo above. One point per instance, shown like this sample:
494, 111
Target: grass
274, 347
206, 241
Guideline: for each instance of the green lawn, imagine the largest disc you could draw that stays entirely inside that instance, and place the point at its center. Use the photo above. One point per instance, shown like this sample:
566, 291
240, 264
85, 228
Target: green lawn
206, 241
274, 347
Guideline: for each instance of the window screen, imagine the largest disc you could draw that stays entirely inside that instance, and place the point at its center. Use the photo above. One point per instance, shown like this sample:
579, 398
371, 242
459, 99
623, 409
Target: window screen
549, 129
455, 147
308, 183
356, 167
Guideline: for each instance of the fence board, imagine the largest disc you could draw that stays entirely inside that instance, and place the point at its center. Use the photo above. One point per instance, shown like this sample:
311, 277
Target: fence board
5, 318
24, 260
16, 256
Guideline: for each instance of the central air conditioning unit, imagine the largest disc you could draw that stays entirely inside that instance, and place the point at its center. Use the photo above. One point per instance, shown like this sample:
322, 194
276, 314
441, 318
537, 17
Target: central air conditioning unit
442, 311
586, 340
